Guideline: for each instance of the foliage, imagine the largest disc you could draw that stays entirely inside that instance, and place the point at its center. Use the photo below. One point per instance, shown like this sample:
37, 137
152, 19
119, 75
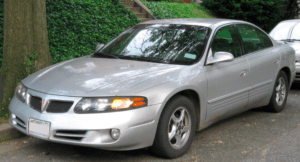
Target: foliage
292, 9
265, 14
31, 62
166, 1
165, 10
1, 30
76, 26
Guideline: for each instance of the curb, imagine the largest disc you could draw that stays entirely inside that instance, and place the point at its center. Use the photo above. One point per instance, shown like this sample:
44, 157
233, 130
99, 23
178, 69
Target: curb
7, 132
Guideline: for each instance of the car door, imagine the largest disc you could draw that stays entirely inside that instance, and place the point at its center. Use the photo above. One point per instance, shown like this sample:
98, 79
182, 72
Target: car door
264, 63
227, 81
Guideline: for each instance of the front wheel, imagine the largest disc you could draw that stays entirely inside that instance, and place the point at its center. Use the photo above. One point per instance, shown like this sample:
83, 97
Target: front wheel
176, 128
280, 93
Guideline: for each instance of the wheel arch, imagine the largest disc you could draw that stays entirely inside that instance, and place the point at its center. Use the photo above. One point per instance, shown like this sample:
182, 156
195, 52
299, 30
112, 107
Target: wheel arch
288, 74
194, 97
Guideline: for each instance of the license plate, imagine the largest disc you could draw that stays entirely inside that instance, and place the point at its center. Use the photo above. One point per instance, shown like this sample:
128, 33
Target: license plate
39, 128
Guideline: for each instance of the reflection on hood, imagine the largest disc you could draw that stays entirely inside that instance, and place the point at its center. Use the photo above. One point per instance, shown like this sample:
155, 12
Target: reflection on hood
95, 76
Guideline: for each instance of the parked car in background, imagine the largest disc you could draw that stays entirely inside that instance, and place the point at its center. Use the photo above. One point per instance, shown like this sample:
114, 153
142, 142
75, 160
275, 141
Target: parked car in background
155, 85
288, 32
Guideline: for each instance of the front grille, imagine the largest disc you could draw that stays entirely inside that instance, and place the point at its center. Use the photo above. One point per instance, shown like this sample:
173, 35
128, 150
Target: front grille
36, 103
70, 134
59, 106
297, 75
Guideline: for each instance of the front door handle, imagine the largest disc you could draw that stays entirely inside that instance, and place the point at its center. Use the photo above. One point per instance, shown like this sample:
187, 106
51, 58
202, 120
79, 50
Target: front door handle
243, 73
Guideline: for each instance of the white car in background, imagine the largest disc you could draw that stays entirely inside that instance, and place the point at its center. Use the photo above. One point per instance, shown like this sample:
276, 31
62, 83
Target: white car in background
288, 32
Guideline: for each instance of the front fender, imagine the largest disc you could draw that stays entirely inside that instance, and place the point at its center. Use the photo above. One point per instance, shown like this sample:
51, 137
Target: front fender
162, 93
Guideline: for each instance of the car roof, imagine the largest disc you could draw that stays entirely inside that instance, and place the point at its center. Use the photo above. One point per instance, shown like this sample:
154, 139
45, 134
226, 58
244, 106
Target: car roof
292, 20
207, 22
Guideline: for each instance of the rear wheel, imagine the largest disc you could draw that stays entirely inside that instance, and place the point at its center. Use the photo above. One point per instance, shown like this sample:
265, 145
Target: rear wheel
280, 93
176, 128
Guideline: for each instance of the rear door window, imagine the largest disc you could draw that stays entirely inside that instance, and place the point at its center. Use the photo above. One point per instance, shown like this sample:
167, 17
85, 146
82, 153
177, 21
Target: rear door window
264, 38
250, 39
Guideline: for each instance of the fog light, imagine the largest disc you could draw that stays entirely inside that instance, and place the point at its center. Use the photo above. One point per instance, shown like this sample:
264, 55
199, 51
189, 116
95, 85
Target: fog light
13, 116
115, 134
14, 122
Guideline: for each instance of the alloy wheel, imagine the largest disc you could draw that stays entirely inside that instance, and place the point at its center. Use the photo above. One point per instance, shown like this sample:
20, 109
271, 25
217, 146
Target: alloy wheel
179, 128
280, 91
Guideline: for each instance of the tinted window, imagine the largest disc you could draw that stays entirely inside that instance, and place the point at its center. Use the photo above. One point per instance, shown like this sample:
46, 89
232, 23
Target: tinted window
250, 38
264, 38
226, 40
169, 43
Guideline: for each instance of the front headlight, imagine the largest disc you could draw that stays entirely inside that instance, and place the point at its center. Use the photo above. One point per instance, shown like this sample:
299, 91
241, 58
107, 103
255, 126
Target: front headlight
109, 104
297, 62
21, 92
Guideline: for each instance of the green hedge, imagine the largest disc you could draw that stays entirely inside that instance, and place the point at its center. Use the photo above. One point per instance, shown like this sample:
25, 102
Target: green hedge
165, 10
76, 26
263, 13
1, 31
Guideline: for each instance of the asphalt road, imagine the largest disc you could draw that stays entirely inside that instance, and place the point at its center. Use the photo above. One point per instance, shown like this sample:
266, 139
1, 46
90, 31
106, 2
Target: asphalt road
251, 136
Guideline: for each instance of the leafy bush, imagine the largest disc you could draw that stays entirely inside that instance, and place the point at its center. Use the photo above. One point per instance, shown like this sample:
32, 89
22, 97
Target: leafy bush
165, 10
265, 14
1, 30
179, 1
76, 26
160, 11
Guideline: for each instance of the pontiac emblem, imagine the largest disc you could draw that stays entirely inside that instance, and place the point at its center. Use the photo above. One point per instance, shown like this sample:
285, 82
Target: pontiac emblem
43, 103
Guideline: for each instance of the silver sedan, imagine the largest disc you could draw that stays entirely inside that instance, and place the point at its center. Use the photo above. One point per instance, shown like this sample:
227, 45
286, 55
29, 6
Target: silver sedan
155, 85
288, 32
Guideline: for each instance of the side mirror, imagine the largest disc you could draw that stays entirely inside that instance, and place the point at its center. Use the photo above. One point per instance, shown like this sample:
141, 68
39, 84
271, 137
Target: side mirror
220, 57
99, 47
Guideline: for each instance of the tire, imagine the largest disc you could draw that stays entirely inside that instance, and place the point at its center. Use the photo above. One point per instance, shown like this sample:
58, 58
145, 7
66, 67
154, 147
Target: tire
280, 93
178, 121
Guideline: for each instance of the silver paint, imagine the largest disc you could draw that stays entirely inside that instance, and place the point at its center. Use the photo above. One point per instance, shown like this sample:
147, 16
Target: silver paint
220, 57
223, 88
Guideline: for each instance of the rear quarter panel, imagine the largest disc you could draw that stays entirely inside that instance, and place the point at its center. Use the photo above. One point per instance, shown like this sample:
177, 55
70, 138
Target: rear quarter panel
287, 58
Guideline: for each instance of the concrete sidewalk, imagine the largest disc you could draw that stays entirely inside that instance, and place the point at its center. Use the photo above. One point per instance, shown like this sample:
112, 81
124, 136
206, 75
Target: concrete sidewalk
7, 132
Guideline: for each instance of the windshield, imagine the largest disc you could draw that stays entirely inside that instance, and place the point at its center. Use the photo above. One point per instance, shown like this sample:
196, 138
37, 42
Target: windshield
165, 43
296, 32
281, 31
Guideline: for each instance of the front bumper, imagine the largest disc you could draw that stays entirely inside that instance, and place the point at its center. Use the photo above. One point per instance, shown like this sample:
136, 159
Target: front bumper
137, 127
297, 78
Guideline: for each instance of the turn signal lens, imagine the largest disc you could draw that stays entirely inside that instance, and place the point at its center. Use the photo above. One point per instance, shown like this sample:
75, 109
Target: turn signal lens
121, 103
138, 101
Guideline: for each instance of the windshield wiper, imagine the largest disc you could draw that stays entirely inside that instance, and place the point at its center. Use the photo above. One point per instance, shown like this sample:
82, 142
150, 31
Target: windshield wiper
148, 59
290, 40
106, 54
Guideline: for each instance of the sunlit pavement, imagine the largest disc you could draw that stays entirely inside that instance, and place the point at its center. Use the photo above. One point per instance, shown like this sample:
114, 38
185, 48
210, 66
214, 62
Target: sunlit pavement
252, 136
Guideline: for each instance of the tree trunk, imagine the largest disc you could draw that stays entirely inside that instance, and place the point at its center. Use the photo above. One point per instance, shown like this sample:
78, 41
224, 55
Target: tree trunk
25, 31
40, 35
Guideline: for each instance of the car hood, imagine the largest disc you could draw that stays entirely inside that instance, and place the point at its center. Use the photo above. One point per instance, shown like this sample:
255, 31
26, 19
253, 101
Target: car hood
95, 76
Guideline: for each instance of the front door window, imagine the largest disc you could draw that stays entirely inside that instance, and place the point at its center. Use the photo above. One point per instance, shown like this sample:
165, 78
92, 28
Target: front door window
226, 41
